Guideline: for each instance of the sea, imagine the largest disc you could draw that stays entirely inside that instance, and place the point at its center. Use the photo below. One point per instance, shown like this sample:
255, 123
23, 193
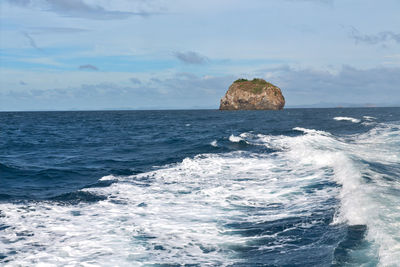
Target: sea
298, 187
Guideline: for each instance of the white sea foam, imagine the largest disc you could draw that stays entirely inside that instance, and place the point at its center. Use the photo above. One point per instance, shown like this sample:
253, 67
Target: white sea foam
369, 118
369, 121
379, 147
235, 139
177, 214
311, 131
372, 203
346, 119
108, 178
214, 143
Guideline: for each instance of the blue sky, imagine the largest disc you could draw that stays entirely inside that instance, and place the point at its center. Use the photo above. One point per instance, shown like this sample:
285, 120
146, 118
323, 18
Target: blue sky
156, 54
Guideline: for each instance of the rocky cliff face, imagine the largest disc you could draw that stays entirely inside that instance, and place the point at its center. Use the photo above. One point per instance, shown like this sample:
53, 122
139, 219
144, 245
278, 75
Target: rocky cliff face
250, 95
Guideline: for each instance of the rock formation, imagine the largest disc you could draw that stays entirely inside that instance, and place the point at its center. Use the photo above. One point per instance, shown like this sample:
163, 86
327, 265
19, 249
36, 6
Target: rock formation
250, 95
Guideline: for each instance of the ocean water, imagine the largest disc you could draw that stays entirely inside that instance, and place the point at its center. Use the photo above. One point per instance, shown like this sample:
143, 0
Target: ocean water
298, 187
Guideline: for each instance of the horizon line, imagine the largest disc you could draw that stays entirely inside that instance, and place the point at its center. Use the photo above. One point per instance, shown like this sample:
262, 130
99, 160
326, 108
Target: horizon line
183, 109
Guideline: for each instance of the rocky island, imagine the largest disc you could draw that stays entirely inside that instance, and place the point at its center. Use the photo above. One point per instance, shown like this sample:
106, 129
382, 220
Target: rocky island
256, 94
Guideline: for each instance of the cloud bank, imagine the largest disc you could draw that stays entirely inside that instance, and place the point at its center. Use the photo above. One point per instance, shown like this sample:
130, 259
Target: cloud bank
180, 91
350, 85
378, 85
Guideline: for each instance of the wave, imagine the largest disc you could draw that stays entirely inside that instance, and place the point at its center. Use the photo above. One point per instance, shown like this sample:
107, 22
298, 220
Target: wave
217, 209
369, 118
347, 119
367, 196
311, 131
77, 197
8, 169
235, 139
200, 211
214, 143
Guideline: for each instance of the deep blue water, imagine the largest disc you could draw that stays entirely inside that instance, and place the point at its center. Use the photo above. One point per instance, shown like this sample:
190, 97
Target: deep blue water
298, 187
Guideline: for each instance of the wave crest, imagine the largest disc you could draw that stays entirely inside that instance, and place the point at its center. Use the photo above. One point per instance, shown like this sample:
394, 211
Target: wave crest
354, 120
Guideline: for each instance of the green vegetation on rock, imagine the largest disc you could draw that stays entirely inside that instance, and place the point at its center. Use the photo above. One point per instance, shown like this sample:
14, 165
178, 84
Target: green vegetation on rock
240, 80
256, 85
258, 81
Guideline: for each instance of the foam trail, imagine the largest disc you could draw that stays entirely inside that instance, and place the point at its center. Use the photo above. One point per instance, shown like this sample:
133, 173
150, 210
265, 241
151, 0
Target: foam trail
176, 215
373, 202
346, 119
369, 195
180, 213
379, 148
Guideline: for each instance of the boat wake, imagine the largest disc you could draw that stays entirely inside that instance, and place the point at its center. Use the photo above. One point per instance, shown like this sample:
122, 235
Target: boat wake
241, 207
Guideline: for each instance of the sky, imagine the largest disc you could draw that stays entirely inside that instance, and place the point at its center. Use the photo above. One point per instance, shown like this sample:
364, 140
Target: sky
184, 54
